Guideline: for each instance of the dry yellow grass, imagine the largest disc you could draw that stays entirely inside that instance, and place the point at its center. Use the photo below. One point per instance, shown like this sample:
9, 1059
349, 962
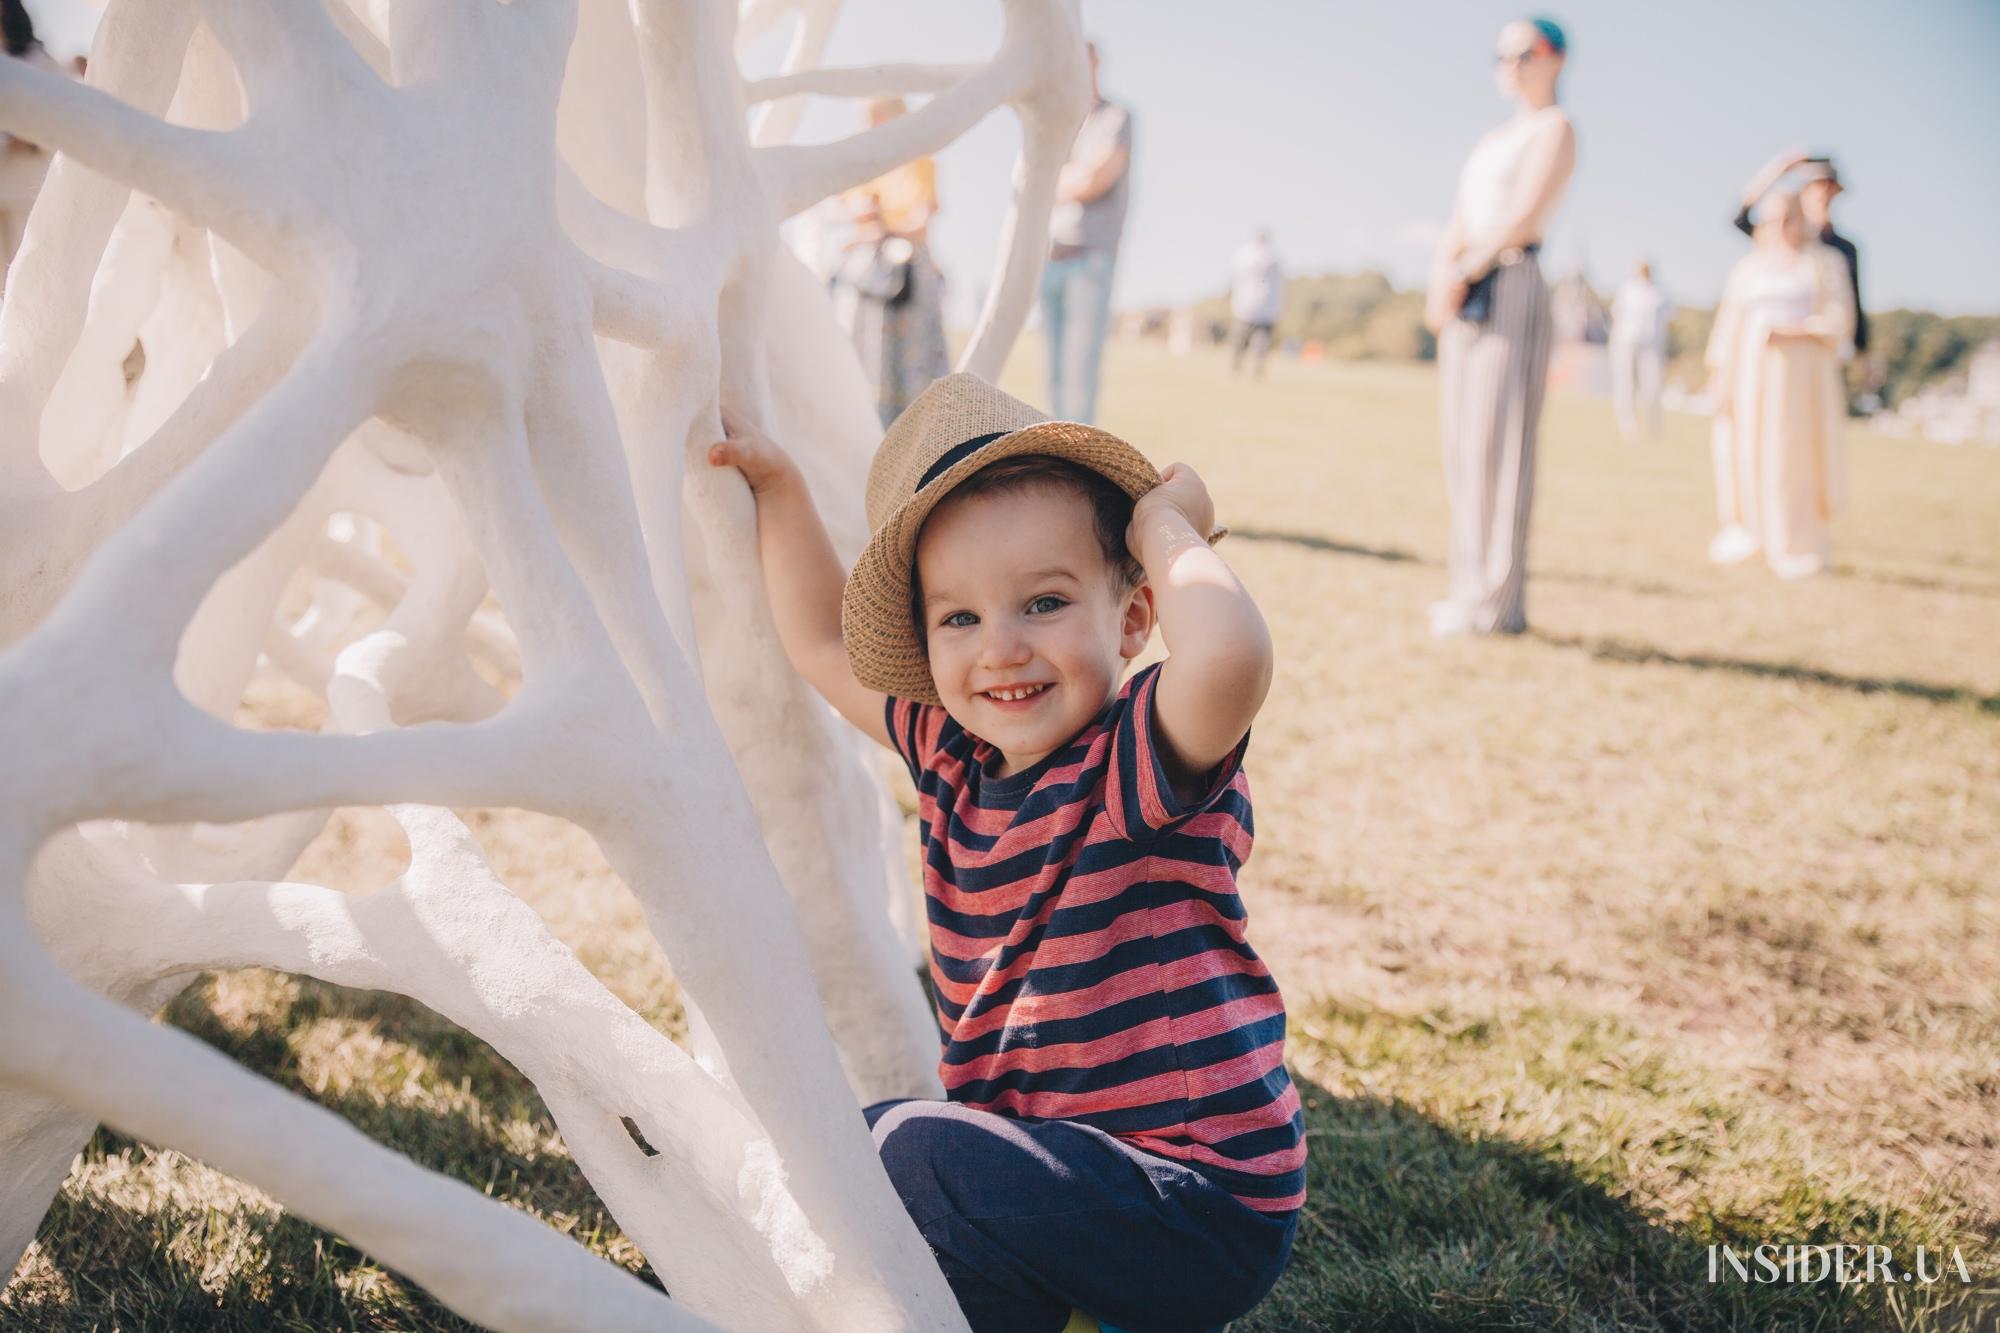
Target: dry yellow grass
1673, 921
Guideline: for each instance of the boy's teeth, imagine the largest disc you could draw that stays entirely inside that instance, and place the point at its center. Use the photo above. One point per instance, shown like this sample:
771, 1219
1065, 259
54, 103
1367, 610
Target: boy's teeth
1011, 695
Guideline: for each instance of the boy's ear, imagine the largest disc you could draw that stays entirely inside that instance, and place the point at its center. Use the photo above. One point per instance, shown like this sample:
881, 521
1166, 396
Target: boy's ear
1136, 630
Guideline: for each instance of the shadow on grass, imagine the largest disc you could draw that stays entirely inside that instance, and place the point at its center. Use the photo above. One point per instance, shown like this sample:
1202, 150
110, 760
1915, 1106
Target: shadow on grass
1618, 650
1395, 555
185, 1264
1311, 542
1410, 1225
125, 1267
1921, 582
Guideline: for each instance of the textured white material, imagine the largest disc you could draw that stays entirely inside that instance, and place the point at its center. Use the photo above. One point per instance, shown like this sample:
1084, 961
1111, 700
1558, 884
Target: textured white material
399, 353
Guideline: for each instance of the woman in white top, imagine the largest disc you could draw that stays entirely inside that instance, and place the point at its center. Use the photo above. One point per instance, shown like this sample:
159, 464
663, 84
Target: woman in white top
1774, 356
1489, 307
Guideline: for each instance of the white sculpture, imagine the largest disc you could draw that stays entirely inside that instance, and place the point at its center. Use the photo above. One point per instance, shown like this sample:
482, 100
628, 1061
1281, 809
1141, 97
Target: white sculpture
376, 302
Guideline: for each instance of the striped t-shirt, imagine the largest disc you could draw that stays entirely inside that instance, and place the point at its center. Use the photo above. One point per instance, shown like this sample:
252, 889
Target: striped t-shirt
1088, 950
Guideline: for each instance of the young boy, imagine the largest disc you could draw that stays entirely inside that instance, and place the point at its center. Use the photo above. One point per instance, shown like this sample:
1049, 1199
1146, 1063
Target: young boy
1121, 1136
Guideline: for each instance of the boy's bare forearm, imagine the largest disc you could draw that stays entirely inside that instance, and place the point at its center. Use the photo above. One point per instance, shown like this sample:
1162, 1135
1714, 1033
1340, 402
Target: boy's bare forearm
803, 579
1218, 668
1207, 618
802, 574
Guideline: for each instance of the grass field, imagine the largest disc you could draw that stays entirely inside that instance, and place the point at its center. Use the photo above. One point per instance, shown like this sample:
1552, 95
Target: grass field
1673, 922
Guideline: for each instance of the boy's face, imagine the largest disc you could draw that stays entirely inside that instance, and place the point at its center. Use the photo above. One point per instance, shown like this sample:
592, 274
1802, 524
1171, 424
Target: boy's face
1017, 596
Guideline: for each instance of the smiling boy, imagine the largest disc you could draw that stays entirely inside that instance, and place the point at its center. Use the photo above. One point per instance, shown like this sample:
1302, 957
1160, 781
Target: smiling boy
1121, 1137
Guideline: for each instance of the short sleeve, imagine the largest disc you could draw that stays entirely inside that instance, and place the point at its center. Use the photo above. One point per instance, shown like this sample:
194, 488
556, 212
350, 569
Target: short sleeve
1139, 794
914, 729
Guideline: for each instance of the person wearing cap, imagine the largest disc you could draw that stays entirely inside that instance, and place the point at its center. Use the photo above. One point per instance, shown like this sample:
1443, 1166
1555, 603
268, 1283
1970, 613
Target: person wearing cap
1819, 186
1489, 307
1120, 1139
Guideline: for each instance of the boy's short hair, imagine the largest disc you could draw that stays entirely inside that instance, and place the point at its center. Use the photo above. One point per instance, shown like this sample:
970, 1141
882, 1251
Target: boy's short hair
1110, 507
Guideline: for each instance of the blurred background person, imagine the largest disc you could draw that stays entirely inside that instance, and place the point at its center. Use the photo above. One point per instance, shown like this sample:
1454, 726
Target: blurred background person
1774, 371
1084, 230
1490, 309
22, 164
887, 289
1256, 299
1640, 313
1819, 186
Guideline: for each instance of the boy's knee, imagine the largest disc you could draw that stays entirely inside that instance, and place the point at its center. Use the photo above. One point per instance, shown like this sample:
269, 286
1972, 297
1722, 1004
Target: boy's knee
906, 1139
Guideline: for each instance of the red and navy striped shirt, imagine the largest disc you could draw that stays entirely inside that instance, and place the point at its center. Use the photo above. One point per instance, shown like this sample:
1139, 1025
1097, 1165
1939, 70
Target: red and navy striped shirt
1088, 950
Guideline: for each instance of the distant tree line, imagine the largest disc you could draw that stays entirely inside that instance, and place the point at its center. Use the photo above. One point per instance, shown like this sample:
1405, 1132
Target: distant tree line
1362, 317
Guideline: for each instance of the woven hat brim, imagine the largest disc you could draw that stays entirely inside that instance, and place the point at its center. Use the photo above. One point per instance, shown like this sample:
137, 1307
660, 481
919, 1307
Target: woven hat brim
875, 626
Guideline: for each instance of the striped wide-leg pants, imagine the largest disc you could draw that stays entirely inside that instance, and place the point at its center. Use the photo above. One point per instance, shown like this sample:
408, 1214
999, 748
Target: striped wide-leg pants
1491, 377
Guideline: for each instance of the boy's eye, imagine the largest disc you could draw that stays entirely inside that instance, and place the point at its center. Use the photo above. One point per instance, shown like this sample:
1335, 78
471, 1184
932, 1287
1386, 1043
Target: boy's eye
959, 620
1045, 604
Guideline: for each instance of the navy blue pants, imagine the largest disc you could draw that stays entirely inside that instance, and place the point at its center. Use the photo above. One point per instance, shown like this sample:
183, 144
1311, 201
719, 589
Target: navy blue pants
1030, 1218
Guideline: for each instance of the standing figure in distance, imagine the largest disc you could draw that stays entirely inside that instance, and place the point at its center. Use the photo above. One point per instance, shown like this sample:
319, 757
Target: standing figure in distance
1084, 229
1640, 312
1256, 299
1489, 306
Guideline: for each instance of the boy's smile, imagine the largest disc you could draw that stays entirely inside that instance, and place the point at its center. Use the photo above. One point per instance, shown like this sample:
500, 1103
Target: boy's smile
1026, 630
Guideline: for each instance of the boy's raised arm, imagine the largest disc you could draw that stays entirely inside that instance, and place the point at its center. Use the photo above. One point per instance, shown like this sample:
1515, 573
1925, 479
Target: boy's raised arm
802, 574
1219, 668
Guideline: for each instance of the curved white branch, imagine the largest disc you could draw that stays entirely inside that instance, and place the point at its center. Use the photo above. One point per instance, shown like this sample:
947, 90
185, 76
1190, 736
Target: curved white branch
266, 460
166, 1087
136, 55
801, 177
195, 172
861, 81
779, 121
283, 47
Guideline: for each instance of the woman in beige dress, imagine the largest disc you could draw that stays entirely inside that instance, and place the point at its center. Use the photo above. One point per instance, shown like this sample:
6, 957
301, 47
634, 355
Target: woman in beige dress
1774, 369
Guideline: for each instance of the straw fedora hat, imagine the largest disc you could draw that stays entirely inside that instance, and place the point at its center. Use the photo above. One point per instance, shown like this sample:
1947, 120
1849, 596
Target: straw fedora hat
957, 426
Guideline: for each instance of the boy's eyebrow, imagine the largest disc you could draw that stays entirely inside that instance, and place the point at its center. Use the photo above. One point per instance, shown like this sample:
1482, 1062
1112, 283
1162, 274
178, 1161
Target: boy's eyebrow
1048, 572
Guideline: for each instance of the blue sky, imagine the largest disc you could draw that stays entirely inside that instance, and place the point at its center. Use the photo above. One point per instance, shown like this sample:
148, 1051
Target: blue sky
1342, 127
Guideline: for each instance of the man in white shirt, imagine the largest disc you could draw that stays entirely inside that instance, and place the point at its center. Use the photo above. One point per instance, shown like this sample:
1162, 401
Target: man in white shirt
1256, 299
1640, 313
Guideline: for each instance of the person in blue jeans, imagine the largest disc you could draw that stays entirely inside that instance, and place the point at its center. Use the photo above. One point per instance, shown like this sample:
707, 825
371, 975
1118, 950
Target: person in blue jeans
1089, 218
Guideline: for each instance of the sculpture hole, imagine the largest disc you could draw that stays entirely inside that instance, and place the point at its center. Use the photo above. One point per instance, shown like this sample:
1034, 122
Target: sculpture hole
637, 1137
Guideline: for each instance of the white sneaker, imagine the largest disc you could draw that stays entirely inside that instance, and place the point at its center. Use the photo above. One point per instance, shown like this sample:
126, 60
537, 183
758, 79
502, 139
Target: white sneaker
1449, 620
1792, 568
1732, 546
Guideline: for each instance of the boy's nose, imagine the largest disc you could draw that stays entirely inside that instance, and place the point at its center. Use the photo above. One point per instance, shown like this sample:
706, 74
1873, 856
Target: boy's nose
1003, 646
